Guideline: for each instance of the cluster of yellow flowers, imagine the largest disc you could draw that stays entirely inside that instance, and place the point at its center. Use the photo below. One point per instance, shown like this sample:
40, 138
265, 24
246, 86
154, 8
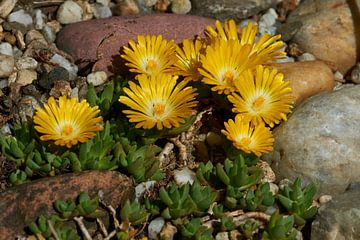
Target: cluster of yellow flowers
233, 63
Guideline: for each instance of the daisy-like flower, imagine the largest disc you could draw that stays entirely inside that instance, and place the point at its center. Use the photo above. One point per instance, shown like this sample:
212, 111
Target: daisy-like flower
266, 50
265, 97
248, 137
223, 63
151, 55
189, 59
228, 32
158, 101
68, 121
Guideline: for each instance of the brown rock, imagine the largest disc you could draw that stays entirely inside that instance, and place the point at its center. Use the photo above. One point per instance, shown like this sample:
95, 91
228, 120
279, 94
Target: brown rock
22, 204
327, 29
106, 36
307, 78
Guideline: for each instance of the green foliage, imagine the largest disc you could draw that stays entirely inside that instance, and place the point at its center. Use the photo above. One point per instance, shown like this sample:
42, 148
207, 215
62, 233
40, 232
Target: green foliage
202, 196
206, 174
249, 228
280, 228
178, 201
298, 201
134, 212
258, 199
194, 230
141, 162
104, 99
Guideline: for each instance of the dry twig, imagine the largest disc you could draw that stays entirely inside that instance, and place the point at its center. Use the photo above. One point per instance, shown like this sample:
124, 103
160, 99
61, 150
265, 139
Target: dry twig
82, 227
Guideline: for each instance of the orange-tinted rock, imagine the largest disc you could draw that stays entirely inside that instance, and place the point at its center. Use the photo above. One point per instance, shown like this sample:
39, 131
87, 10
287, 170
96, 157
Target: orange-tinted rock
100, 40
22, 204
307, 78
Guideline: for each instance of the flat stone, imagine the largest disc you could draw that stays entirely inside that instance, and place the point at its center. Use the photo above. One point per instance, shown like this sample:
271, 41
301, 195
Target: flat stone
338, 219
320, 142
325, 28
69, 12
307, 78
25, 77
21, 17
6, 65
234, 9
6, 6
15, 212
82, 40
97, 78
26, 63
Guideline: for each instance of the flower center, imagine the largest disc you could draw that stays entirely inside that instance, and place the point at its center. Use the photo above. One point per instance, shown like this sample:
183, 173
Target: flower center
228, 77
159, 109
67, 130
151, 65
258, 102
245, 141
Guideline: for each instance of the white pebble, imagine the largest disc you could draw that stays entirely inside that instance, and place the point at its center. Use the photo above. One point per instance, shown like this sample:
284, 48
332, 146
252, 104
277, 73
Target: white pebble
142, 187
184, 176
25, 77
104, 2
97, 78
33, 35
306, 57
155, 227
355, 74
6, 65
6, 6
180, 6
324, 199
267, 22
285, 59
3, 83
39, 19
21, 17
339, 77
6, 49
69, 12
49, 34
63, 62
26, 63
6, 129
101, 11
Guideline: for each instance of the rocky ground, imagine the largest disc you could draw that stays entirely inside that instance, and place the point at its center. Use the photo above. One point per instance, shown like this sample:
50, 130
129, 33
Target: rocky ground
49, 48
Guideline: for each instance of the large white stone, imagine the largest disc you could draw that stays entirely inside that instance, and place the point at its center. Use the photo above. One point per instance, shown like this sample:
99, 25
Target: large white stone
320, 142
21, 17
69, 12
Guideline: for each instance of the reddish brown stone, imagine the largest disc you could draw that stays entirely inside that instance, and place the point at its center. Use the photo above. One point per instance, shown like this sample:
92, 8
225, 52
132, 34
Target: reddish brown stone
22, 204
105, 37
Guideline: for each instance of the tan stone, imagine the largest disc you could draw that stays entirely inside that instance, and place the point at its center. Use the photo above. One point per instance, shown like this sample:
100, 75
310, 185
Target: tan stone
307, 78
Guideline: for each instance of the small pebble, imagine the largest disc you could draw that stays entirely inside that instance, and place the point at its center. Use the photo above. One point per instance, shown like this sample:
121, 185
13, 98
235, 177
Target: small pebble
101, 11
306, 57
355, 74
21, 17
26, 63
69, 12
10, 38
57, 74
339, 77
39, 19
142, 187
104, 2
97, 78
180, 6
27, 106
6, 6
25, 77
87, 10
285, 59
6, 49
126, 8
6, 129
274, 189
267, 22
3, 83
55, 25
6, 65
155, 227
75, 93
150, 3
49, 34
12, 78
324, 199
33, 35
184, 176
61, 88
20, 39
63, 62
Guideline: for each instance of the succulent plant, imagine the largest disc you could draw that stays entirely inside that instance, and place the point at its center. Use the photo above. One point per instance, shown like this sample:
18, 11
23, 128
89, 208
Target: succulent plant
280, 228
202, 196
206, 174
298, 201
194, 230
134, 213
260, 198
249, 228
103, 100
178, 201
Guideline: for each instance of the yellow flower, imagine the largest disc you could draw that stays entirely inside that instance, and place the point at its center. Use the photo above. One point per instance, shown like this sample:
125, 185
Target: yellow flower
223, 63
264, 97
189, 59
263, 51
157, 100
248, 137
151, 55
228, 32
67, 122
